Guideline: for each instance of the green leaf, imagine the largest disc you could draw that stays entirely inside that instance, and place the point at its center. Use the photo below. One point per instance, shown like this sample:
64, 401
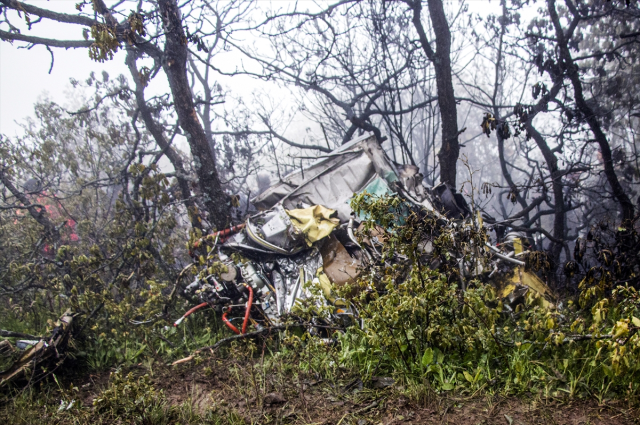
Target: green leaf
447, 386
608, 371
410, 334
427, 357
468, 376
635, 321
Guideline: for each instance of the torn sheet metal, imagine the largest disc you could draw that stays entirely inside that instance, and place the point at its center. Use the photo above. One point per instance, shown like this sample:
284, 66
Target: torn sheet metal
332, 180
299, 237
274, 232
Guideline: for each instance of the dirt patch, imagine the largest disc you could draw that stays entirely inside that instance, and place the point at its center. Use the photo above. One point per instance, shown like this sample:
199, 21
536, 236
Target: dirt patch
231, 387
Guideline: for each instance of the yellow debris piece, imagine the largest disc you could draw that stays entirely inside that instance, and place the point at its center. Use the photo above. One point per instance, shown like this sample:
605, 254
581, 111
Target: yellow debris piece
532, 281
325, 284
517, 246
519, 279
327, 290
314, 222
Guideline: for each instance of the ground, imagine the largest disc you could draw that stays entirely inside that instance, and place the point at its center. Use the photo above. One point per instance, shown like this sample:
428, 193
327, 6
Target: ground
238, 392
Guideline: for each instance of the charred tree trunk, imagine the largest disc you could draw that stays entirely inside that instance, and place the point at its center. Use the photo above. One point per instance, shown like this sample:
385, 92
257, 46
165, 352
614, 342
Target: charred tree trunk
174, 63
450, 149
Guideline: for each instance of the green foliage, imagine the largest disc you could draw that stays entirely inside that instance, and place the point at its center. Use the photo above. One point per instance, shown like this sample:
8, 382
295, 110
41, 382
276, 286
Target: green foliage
126, 400
419, 325
133, 400
106, 41
120, 248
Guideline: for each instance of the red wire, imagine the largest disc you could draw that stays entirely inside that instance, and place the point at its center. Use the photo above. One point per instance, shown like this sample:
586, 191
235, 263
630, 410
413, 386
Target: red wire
223, 235
228, 323
188, 313
248, 312
194, 309
246, 315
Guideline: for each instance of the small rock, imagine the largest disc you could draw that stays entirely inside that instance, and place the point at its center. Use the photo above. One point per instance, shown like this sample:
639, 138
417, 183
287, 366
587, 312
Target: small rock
362, 422
382, 381
273, 398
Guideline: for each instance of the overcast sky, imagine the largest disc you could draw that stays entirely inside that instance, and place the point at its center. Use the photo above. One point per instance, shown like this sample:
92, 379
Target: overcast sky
25, 77
24, 74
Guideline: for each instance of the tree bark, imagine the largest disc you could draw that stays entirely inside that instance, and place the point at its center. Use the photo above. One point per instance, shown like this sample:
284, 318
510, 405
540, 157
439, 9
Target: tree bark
158, 135
497, 115
174, 63
450, 149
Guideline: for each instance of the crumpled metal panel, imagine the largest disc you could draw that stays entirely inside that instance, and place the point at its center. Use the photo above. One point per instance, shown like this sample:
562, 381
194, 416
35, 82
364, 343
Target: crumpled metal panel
333, 179
294, 272
334, 188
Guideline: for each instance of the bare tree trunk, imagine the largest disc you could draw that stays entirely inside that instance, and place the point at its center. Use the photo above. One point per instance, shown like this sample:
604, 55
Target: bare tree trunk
558, 193
496, 113
158, 135
174, 63
450, 149
571, 70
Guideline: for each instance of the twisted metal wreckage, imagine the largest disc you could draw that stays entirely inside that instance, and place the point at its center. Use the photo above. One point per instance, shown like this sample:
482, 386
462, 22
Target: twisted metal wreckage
306, 232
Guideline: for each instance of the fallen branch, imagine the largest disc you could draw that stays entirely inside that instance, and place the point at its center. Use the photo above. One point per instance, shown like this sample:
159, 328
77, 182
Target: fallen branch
255, 334
10, 334
185, 360
233, 338
366, 408
245, 336
262, 332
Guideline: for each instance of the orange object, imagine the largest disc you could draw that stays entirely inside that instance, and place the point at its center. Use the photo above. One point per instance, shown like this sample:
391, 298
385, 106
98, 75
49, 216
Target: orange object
228, 323
224, 234
188, 313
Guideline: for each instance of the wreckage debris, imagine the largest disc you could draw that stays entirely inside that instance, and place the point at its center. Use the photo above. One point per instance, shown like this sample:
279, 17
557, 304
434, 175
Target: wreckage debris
38, 352
307, 232
258, 272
